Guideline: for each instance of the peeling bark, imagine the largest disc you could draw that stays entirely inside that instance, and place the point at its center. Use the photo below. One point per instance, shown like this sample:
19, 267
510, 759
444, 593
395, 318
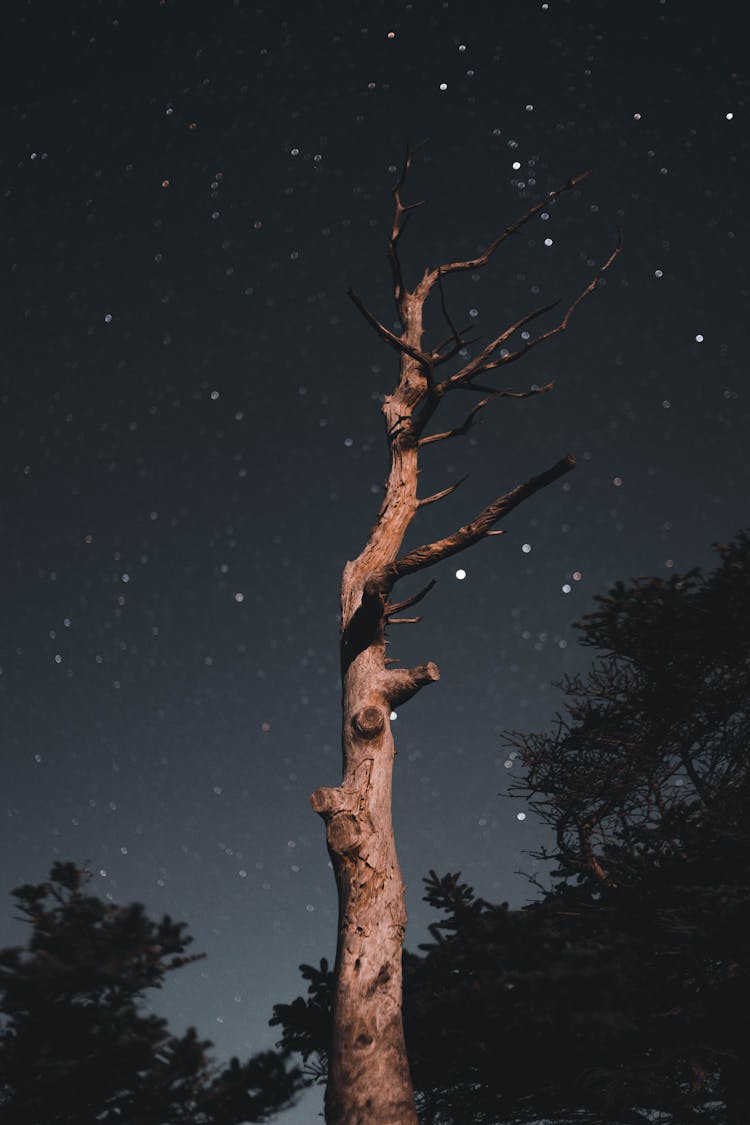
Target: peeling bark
368, 1080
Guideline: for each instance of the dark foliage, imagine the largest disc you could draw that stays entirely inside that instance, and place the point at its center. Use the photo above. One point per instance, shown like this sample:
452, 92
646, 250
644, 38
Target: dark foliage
76, 1042
654, 742
622, 995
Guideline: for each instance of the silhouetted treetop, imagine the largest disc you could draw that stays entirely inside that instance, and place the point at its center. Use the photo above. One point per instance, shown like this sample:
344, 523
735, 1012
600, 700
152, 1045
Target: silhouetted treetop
77, 1043
622, 995
656, 736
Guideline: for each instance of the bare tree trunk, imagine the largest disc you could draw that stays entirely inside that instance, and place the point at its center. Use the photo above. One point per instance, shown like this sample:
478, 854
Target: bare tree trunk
368, 1080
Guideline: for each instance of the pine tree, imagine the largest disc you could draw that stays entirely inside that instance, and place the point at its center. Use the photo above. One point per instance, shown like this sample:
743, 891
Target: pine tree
78, 1044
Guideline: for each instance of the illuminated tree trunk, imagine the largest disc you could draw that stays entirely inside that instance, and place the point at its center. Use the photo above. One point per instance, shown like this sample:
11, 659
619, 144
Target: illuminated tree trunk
368, 1079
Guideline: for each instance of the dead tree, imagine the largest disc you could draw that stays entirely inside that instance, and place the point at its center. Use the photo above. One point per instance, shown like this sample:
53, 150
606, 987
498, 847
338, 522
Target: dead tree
368, 1079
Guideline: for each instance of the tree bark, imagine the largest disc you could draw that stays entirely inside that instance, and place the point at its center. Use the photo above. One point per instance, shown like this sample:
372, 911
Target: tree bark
368, 1076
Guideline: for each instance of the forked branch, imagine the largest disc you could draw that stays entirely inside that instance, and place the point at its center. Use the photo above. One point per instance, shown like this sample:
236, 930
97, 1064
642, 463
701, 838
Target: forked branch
457, 342
386, 334
481, 364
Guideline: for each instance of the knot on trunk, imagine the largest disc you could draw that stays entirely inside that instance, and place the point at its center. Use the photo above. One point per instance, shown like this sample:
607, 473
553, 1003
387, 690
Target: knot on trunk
381, 980
339, 808
368, 723
364, 1039
343, 834
325, 802
328, 802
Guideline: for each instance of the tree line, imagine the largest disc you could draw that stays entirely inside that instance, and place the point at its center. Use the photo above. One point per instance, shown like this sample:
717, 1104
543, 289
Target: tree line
619, 995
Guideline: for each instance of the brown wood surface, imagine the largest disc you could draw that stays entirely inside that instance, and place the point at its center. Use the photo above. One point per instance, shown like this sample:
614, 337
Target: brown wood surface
368, 1080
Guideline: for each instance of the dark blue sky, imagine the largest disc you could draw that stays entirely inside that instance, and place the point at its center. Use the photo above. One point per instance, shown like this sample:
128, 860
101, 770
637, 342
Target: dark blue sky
191, 436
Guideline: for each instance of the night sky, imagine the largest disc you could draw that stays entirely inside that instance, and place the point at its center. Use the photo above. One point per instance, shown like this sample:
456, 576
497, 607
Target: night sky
192, 445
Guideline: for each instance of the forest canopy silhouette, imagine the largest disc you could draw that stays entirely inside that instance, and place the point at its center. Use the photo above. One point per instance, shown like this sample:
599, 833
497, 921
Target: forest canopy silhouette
77, 1043
620, 994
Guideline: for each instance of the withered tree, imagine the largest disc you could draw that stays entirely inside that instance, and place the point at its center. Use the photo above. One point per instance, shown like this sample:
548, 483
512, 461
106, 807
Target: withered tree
369, 1081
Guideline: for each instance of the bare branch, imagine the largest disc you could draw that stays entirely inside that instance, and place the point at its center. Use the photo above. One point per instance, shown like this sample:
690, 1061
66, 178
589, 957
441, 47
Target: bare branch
479, 528
479, 363
506, 393
389, 337
510, 357
461, 341
431, 276
441, 495
446, 314
589, 289
401, 216
407, 602
470, 419
401, 684
404, 620
456, 336
458, 431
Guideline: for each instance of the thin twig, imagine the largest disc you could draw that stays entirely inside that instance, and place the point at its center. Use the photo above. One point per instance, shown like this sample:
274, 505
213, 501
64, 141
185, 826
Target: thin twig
431, 276
441, 495
389, 337
401, 216
397, 607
